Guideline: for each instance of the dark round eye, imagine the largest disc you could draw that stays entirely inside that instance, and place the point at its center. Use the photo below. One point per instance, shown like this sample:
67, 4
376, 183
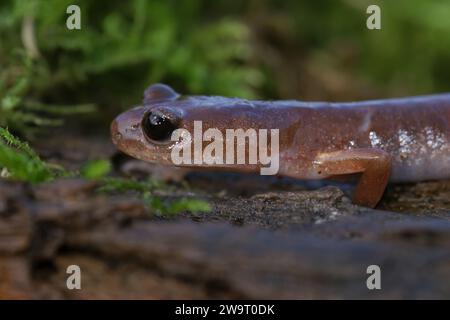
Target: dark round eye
157, 127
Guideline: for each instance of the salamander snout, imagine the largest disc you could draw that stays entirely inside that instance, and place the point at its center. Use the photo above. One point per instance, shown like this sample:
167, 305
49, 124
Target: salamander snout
126, 129
115, 135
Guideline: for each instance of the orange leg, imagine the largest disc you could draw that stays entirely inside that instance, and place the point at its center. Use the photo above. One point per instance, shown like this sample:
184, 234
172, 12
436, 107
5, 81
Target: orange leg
374, 164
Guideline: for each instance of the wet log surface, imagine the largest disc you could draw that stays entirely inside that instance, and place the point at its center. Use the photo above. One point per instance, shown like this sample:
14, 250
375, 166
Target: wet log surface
265, 238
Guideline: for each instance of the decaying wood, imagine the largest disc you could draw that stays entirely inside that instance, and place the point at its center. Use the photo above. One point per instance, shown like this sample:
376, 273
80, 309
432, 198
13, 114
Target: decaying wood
275, 244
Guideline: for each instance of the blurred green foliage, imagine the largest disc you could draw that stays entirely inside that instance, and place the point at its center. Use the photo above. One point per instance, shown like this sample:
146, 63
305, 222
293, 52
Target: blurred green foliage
408, 56
23, 113
123, 47
257, 48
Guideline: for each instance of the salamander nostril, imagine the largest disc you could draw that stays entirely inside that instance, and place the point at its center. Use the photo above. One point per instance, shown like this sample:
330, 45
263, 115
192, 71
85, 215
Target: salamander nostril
157, 126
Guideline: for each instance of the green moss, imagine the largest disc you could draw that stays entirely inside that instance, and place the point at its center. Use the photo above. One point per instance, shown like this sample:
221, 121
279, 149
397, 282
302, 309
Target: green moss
19, 162
159, 207
96, 169
149, 189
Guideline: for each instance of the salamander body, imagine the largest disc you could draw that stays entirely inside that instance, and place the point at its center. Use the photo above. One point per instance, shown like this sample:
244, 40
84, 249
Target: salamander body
400, 140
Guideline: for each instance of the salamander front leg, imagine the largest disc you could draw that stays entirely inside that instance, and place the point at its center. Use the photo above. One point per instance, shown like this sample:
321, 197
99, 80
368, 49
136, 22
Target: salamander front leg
373, 164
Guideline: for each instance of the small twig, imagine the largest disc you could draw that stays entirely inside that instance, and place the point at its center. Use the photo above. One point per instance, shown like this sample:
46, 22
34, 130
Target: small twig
29, 37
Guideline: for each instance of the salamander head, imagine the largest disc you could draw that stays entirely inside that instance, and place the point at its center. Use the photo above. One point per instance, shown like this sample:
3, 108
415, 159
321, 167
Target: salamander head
144, 132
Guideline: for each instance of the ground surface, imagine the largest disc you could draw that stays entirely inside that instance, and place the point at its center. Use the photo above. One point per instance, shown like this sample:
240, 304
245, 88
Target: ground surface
265, 238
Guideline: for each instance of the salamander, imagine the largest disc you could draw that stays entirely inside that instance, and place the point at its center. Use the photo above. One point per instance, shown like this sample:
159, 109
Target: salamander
397, 140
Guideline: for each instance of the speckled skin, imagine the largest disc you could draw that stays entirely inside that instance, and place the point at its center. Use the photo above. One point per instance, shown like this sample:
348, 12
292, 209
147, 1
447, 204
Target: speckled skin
405, 139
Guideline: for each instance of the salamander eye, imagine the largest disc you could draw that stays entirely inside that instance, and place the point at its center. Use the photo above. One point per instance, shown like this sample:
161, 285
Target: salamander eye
157, 126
